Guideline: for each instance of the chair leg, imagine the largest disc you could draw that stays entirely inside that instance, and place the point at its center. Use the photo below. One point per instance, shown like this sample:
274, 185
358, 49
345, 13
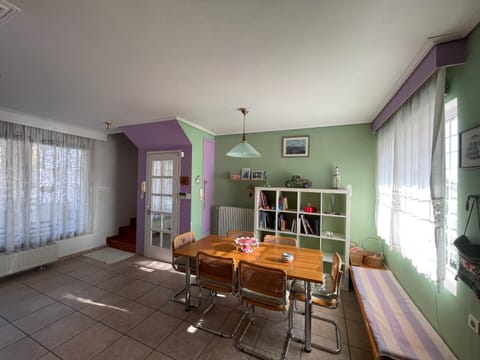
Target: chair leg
181, 300
200, 325
338, 347
338, 340
247, 350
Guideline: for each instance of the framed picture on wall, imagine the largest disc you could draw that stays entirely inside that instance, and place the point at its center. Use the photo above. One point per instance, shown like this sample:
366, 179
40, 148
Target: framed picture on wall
295, 146
470, 148
258, 175
245, 173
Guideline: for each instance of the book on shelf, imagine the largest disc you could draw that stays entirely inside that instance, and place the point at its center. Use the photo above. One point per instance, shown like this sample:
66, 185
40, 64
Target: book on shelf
309, 228
317, 227
294, 226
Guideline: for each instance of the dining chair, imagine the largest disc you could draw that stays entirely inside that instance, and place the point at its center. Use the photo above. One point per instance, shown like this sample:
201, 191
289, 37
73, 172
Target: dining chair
325, 295
280, 240
216, 274
264, 287
240, 233
179, 262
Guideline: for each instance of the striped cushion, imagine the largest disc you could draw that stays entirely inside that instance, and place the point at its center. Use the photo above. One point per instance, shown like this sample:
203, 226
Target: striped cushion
398, 327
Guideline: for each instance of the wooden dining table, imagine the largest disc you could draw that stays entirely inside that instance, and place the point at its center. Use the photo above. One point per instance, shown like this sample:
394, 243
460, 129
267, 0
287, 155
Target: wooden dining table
307, 265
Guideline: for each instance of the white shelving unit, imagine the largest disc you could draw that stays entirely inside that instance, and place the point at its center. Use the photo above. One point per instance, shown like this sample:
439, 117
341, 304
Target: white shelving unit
325, 213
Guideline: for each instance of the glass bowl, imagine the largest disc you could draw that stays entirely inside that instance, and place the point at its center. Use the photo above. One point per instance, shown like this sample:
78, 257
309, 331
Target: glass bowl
246, 244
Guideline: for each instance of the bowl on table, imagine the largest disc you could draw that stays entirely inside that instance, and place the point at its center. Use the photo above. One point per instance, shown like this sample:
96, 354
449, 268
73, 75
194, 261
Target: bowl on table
246, 244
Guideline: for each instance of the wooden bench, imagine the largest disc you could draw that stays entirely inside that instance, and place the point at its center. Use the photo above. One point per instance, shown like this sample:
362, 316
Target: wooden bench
395, 327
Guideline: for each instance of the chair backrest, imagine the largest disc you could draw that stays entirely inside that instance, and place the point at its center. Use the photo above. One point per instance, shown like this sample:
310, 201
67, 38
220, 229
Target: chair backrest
280, 240
179, 241
216, 272
240, 233
336, 273
263, 286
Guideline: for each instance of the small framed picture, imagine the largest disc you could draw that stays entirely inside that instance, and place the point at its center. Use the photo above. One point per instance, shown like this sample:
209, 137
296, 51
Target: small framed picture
470, 148
245, 173
297, 146
258, 175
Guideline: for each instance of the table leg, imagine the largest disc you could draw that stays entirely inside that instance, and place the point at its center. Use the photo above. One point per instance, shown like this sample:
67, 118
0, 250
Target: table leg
187, 285
308, 317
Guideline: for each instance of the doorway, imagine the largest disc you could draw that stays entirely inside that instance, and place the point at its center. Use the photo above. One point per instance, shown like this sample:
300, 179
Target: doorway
161, 203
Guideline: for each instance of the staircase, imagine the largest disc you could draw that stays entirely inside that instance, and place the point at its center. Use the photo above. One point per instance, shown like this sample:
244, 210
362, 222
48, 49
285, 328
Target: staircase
126, 238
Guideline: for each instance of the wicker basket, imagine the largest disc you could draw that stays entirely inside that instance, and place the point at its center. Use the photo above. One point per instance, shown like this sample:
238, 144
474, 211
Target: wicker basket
370, 257
356, 258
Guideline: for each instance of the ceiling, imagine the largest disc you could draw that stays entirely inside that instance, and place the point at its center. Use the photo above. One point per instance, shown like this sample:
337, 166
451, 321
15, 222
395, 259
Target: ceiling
294, 63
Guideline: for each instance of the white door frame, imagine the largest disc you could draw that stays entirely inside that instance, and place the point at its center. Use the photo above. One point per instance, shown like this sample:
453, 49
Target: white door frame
162, 250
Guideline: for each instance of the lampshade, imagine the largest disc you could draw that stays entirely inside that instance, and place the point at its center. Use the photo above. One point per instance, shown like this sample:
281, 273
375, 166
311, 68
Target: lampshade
244, 149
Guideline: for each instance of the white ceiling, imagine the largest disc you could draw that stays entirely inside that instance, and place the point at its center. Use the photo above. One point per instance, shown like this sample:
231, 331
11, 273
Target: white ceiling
294, 63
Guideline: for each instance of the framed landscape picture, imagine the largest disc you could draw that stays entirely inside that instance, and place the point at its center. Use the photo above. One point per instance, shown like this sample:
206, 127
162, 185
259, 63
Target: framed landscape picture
470, 148
295, 146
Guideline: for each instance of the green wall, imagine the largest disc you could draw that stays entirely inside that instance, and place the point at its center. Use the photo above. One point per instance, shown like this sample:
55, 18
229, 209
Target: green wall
351, 148
448, 313
196, 137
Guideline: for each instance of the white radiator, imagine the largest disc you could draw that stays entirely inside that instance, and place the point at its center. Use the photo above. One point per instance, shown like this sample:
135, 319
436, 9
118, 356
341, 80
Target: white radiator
27, 259
234, 218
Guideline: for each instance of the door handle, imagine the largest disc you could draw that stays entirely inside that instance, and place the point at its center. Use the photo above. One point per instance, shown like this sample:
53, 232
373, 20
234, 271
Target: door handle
149, 210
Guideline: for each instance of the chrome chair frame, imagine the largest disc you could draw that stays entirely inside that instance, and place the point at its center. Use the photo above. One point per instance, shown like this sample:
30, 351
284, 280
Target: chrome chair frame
215, 283
330, 301
178, 242
255, 296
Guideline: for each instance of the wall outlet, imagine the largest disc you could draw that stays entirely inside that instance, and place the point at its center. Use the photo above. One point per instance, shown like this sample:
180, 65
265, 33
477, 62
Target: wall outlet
473, 323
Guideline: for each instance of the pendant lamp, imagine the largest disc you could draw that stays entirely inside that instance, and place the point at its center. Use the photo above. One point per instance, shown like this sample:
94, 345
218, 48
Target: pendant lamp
244, 149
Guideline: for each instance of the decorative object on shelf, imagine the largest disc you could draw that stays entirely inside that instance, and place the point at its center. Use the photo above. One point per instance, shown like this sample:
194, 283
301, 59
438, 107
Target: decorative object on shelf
297, 146
309, 208
333, 201
470, 148
245, 173
246, 244
297, 181
250, 190
244, 149
258, 175
235, 177
336, 178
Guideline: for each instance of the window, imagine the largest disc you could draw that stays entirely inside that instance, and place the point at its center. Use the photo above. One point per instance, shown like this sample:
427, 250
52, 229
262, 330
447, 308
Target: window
46, 186
451, 183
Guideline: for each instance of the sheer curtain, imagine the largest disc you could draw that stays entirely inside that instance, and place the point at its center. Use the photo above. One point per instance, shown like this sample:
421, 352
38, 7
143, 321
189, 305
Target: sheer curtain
411, 179
46, 186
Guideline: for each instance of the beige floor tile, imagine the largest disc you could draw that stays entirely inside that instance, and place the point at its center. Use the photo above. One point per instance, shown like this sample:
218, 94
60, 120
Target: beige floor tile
14, 292
154, 329
35, 275
62, 330
124, 348
220, 348
158, 356
26, 306
272, 337
175, 282
88, 343
44, 317
105, 306
357, 335
49, 356
52, 282
125, 321
25, 349
317, 354
67, 291
175, 345
157, 277
78, 299
9, 334
3, 321
100, 276
156, 297
114, 283
176, 310
360, 354
215, 318
134, 288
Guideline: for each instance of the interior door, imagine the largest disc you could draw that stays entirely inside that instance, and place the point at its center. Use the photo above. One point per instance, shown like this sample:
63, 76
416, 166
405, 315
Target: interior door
162, 203
207, 190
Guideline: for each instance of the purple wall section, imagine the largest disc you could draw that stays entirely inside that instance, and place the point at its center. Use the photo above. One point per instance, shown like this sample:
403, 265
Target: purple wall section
445, 54
208, 178
160, 136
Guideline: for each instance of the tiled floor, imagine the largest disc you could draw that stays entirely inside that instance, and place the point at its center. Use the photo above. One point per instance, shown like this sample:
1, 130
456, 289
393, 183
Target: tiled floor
84, 309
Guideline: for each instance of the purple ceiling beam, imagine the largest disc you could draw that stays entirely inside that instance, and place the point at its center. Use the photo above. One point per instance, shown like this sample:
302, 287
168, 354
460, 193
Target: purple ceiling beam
445, 54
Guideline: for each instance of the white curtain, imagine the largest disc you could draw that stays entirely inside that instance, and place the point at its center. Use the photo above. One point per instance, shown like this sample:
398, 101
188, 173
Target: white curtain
46, 186
411, 179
